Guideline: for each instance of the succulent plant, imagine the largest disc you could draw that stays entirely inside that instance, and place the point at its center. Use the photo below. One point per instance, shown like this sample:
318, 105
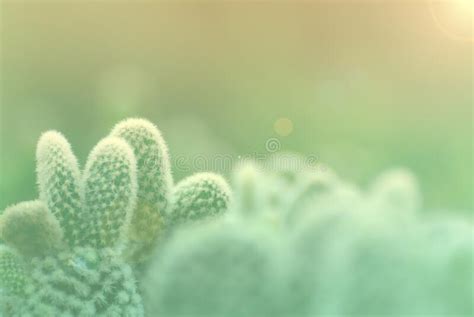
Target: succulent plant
109, 193
160, 206
13, 280
59, 182
31, 228
291, 239
84, 281
78, 249
199, 197
81, 219
154, 182
216, 269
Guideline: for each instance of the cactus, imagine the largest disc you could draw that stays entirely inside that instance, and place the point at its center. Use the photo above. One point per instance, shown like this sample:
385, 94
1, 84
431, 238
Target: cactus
59, 183
110, 191
217, 269
30, 228
86, 275
199, 197
161, 207
154, 184
80, 240
82, 282
12, 272
326, 247
13, 279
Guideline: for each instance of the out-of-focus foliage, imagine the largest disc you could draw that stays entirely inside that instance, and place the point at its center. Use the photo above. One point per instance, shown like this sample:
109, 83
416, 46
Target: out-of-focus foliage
300, 241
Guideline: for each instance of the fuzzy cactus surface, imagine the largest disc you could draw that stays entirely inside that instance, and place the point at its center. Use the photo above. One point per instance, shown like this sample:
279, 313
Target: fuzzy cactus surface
199, 197
154, 183
13, 280
59, 181
31, 228
82, 282
11, 271
110, 190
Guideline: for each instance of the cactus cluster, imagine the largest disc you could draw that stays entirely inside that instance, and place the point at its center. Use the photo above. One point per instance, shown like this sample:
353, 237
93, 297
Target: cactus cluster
303, 242
119, 238
78, 250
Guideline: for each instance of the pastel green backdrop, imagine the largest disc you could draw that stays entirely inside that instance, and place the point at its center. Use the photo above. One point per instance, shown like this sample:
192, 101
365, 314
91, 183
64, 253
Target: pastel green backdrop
361, 86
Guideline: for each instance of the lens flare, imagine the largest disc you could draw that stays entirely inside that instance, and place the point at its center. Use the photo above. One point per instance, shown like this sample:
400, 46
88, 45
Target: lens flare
454, 18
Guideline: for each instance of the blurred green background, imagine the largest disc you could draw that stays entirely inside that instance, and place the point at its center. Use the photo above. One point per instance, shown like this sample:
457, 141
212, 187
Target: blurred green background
362, 86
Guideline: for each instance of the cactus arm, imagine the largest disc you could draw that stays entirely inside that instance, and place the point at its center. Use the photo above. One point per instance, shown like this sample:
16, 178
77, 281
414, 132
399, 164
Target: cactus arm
198, 197
109, 191
59, 182
154, 183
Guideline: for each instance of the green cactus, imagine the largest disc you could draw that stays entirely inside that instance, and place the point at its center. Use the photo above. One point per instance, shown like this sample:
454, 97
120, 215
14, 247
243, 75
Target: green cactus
59, 183
199, 197
373, 256
160, 207
12, 272
82, 282
327, 248
217, 269
31, 228
13, 280
86, 275
154, 184
110, 191
81, 238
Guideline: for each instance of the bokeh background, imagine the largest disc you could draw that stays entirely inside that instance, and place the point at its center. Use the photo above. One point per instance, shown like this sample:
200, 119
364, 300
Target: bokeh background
360, 85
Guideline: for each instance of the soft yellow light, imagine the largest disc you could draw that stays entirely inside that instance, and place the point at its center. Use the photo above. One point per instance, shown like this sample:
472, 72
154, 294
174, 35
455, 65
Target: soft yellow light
454, 18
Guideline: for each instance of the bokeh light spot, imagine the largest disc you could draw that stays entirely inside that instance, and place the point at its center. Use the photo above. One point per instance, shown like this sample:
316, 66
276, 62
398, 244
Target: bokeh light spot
283, 126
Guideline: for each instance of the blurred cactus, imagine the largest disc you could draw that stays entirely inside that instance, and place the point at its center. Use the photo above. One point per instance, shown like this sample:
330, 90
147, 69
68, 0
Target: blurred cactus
31, 228
303, 242
217, 269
